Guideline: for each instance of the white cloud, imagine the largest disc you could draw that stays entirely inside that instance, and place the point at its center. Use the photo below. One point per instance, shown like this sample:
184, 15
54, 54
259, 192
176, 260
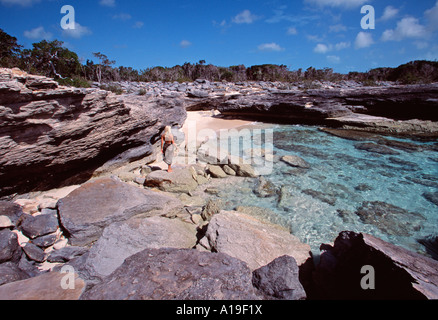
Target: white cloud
270, 47
23, 3
122, 16
342, 45
245, 17
322, 48
406, 28
38, 34
338, 3
78, 32
108, 3
334, 59
185, 44
292, 31
138, 25
363, 40
432, 16
389, 13
337, 28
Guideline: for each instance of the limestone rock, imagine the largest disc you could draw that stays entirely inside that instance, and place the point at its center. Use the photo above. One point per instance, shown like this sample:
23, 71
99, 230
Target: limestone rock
11, 210
9, 248
176, 274
36, 226
9, 272
399, 273
50, 134
180, 180
295, 161
216, 171
86, 211
253, 241
34, 252
390, 219
123, 239
279, 280
44, 287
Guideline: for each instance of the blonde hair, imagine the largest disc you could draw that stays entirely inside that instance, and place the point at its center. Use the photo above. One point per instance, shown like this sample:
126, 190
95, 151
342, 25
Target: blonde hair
167, 129
167, 134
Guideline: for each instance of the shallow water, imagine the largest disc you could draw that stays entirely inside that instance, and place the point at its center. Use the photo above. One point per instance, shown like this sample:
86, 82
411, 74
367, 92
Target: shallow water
347, 188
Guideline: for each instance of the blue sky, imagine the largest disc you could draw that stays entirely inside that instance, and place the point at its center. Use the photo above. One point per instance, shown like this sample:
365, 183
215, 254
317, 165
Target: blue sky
299, 34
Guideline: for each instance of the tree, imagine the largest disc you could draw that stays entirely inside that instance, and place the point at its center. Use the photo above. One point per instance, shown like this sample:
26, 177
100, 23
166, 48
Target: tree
51, 59
103, 70
9, 50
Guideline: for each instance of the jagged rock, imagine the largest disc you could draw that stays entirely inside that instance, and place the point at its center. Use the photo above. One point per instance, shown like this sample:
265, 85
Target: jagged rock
216, 171
265, 188
176, 274
123, 239
48, 286
431, 245
227, 169
36, 226
295, 161
376, 148
45, 241
369, 109
66, 254
331, 200
432, 197
242, 168
178, 181
34, 252
211, 208
51, 134
11, 210
279, 280
10, 272
398, 273
254, 241
9, 248
390, 219
86, 211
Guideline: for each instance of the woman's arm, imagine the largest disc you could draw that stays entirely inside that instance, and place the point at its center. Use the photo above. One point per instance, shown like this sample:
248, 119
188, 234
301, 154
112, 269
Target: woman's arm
162, 142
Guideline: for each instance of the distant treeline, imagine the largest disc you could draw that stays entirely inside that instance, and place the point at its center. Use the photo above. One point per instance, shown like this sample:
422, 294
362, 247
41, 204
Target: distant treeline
52, 59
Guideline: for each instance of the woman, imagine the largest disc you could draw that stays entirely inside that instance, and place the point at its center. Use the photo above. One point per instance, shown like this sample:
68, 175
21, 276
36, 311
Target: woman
167, 147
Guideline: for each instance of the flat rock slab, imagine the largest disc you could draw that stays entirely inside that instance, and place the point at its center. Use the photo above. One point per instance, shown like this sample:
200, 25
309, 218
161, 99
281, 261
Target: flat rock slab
254, 241
180, 180
176, 274
48, 286
86, 211
123, 239
295, 161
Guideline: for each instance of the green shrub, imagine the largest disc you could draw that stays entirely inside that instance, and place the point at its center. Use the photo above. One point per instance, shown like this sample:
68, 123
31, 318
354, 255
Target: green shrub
76, 82
113, 88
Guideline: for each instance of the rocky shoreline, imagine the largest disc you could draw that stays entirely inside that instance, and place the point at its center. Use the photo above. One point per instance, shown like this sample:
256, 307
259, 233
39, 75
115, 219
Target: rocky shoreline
129, 230
124, 240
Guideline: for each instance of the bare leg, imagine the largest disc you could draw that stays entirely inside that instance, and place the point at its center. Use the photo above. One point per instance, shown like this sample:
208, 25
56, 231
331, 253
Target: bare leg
169, 169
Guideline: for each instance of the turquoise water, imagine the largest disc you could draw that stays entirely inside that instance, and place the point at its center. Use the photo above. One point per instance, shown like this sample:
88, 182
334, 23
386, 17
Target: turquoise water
346, 188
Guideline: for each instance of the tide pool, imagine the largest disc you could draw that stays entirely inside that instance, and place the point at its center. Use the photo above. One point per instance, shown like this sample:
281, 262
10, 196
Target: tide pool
349, 186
